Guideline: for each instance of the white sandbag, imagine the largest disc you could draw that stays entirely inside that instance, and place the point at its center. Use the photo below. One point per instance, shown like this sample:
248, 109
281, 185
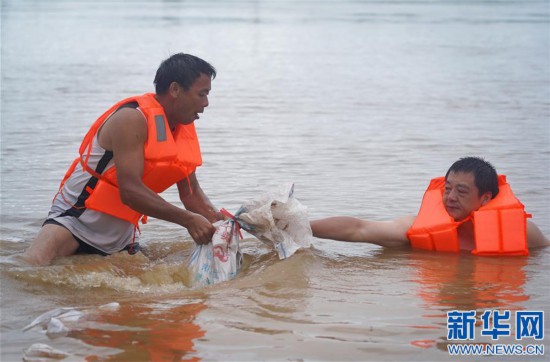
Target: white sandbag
54, 320
278, 219
219, 260
45, 318
56, 328
43, 352
111, 307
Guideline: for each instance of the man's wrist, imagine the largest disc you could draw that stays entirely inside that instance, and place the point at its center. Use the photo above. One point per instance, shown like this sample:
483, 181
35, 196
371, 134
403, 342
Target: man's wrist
186, 218
215, 214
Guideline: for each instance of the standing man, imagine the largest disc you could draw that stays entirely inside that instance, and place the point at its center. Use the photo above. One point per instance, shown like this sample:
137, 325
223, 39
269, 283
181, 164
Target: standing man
134, 151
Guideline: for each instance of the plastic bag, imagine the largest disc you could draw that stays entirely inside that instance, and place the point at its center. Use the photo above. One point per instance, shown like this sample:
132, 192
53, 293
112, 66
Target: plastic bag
219, 260
278, 219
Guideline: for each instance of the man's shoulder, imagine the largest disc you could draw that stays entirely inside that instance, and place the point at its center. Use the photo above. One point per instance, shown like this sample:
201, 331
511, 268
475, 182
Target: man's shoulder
128, 115
127, 125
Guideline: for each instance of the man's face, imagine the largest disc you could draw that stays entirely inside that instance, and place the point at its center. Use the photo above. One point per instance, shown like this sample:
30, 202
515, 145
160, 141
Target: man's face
461, 196
189, 103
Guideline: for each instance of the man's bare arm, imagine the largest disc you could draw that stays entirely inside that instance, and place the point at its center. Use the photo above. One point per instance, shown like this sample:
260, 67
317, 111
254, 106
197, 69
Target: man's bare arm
125, 134
345, 228
194, 199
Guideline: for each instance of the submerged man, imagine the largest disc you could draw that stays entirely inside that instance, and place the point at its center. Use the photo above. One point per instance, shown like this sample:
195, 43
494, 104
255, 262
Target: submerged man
135, 150
471, 208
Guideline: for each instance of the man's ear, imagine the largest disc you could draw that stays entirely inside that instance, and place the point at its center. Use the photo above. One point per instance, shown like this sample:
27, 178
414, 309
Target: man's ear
174, 89
486, 197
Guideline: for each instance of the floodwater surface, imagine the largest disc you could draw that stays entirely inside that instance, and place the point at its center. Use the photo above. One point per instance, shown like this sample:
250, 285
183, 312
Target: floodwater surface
359, 103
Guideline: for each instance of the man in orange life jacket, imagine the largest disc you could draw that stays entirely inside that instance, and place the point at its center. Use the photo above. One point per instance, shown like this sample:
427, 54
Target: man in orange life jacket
471, 208
135, 150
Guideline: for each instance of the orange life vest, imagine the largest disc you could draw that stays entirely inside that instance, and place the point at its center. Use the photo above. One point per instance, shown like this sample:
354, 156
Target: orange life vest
168, 158
500, 226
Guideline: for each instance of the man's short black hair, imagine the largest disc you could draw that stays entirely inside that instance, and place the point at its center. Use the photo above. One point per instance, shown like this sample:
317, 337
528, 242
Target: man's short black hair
485, 175
183, 69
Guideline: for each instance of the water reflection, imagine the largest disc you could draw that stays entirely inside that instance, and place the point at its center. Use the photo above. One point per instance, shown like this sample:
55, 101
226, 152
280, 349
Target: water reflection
145, 332
465, 282
446, 282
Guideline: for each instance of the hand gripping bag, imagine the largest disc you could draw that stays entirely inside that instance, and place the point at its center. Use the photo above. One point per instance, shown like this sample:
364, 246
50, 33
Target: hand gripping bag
276, 218
219, 260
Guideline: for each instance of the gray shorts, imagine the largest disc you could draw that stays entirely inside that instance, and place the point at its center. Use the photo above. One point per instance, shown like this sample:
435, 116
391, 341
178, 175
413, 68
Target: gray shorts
84, 248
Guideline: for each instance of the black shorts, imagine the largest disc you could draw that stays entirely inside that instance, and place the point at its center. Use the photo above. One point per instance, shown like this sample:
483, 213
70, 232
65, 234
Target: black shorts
84, 248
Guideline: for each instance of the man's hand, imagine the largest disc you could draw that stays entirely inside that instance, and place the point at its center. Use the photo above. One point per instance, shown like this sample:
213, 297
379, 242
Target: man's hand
220, 216
200, 229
